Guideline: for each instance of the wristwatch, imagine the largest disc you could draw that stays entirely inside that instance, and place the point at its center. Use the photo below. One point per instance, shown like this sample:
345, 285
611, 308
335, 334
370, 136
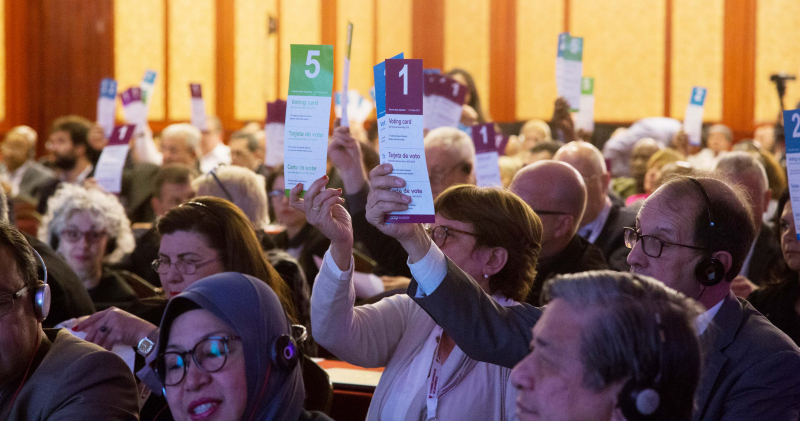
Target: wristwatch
147, 344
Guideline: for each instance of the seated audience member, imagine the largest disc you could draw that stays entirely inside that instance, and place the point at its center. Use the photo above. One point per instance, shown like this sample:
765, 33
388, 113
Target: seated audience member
749, 369
541, 151
719, 140
69, 298
472, 101
509, 167
557, 193
779, 298
173, 186
745, 171
621, 347
489, 233
247, 152
300, 239
199, 238
180, 143
620, 146
242, 187
764, 136
25, 175
49, 373
69, 145
531, 133
89, 229
450, 156
775, 175
213, 151
226, 348
653, 172
603, 222
640, 156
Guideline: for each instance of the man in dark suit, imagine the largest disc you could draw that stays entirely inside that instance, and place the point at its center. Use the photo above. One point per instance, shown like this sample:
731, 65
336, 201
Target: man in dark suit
747, 172
25, 175
603, 221
691, 235
556, 192
50, 374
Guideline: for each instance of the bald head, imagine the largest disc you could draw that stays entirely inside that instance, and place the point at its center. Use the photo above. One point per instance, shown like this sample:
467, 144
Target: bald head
591, 164
746, 171
551, 186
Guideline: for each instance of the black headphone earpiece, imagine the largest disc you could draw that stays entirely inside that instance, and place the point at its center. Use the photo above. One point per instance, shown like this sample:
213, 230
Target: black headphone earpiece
285, 353
41, 295
709, 271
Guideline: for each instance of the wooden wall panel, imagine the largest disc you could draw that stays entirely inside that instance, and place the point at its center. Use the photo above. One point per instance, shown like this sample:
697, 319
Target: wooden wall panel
136, 50
2, 61
77, 51
777, 51
626, 59
255, 56
299, 24
393, 29
362, 14
502, 60
739, 67
538, 24
428, 33
697, 49
191, 55
466, 42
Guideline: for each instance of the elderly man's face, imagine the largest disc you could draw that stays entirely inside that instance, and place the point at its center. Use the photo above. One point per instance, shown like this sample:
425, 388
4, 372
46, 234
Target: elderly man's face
241, 155
445, 169
671, 219
550, 380
19, 330
16, 151
176, 150
639, 157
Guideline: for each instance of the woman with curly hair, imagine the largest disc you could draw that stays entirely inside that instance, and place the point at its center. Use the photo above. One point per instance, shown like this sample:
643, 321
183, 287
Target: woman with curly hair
89, 229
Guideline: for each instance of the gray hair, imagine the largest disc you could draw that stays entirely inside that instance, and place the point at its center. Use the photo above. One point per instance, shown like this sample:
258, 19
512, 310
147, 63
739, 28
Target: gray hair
452, 138
739, 164
186, 131
645, 330
248, 191
250, 139
3, 206
105, 210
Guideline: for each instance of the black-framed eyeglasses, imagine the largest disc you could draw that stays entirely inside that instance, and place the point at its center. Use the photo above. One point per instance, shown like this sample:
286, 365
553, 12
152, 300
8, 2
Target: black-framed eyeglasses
651, 246
546, 212
7, 300
185, 267
439, 233
209, 355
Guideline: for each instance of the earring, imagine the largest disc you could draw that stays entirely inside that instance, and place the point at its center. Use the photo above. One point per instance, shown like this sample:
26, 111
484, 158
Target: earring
486, 276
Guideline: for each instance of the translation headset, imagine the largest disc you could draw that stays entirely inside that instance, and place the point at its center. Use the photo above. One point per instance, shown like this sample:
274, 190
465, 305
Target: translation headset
639, 399
710, 271
284, 350
41, 296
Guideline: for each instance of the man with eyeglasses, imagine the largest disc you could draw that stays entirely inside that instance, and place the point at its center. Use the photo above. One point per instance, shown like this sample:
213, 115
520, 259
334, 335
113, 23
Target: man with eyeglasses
49, 373
557, 193
692, 235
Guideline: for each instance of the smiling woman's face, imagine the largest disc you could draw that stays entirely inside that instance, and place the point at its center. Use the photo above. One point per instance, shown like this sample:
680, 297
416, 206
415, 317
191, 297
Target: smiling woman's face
221, 395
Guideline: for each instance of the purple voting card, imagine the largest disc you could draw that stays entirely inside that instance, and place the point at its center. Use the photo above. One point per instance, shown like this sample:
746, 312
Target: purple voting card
121, 135
276, 112
501, 141
196, 90
445, 87
404, 86
483, 137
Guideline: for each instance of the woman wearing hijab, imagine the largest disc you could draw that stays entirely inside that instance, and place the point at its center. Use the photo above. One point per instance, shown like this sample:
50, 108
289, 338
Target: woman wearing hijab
225, 350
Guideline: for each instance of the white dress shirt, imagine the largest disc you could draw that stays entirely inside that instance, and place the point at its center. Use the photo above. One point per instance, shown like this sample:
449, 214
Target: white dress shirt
221, 154
592, 230
703, 320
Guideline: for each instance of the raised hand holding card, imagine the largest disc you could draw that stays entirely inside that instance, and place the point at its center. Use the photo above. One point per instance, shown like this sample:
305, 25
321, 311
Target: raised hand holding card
198, 107
791, 127
106, 105
442, 101
108, 172
693, 119
487, 153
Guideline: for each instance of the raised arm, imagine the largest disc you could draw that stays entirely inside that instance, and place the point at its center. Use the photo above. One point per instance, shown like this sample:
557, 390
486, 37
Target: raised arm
366, 335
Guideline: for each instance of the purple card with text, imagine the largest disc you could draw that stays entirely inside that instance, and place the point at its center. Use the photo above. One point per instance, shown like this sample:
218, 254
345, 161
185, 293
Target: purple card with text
446, 87
121, 135
484, 138
130, 95
196, 90
404, 86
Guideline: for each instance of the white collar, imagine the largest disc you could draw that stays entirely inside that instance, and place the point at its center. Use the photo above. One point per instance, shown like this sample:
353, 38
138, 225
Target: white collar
595, 227
703, 320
